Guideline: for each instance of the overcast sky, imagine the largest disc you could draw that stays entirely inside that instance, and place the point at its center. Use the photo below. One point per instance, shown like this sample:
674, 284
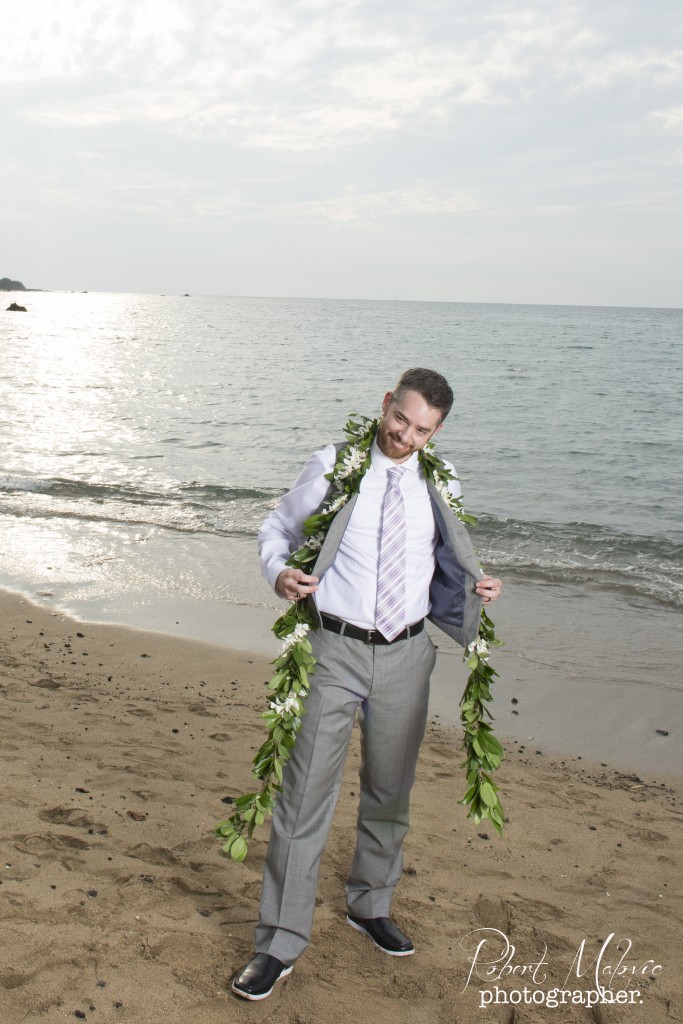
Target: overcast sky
484, 151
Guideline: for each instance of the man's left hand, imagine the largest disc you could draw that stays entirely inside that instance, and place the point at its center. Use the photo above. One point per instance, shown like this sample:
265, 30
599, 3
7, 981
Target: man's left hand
489, 588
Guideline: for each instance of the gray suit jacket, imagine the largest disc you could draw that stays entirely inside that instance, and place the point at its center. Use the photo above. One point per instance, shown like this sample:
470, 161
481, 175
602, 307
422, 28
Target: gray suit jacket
455, 604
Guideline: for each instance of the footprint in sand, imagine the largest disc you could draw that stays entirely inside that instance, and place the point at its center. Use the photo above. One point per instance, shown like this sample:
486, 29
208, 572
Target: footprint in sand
200, 709
45, 684
175, 884
646, 835
10, 979
45, 845
492, 913
76, 817
157, 855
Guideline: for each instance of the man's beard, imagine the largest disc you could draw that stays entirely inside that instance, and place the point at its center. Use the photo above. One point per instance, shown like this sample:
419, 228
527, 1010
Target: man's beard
390, 447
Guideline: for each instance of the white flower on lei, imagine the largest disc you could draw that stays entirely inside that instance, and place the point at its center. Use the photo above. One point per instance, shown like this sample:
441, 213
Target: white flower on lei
352, 461
335, 505
442, 488
479, 646
316, 541
290, 705
298, 633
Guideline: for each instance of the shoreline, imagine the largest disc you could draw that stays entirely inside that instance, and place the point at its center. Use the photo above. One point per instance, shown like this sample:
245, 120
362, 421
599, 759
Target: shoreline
119, 749
570, 701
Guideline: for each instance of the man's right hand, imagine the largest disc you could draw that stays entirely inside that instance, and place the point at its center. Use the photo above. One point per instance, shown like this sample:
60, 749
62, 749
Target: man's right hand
293, 584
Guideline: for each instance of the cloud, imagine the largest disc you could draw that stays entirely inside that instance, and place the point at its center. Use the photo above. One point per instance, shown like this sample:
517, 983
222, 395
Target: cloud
366, 208
310, 76
189, 199
614, 68
363, 120
671, 119
70, 40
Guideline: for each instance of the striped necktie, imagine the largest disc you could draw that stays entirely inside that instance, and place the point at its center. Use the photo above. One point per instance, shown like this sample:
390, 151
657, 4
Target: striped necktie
391, 577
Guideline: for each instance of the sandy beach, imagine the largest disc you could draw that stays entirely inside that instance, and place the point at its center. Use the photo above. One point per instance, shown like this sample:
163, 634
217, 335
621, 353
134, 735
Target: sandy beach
120, 750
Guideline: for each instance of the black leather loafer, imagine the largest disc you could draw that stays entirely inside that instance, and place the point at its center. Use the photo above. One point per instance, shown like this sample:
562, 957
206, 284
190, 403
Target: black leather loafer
384, 934
257, 979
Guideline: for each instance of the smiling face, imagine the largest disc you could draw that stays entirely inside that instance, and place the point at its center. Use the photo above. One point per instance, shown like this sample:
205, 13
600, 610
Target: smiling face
408, 422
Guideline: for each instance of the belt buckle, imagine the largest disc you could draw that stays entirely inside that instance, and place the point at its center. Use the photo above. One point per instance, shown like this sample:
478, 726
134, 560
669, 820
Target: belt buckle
370, 636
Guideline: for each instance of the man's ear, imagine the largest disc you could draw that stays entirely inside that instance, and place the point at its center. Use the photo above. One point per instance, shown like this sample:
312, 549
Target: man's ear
438, 429
387, 401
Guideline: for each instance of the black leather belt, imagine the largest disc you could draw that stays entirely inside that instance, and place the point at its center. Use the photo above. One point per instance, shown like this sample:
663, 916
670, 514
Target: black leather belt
368, 636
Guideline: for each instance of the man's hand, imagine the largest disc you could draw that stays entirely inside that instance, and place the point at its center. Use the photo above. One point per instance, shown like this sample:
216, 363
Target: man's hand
489, 588
293, 584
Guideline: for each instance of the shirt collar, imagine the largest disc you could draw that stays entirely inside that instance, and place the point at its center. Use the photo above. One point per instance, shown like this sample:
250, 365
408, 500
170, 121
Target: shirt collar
381, 462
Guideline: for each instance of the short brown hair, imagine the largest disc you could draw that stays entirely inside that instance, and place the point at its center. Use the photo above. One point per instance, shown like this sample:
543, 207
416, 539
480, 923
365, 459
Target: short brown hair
434, 388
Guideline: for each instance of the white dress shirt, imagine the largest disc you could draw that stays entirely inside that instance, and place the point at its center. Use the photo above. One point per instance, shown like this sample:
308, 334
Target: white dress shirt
348, 588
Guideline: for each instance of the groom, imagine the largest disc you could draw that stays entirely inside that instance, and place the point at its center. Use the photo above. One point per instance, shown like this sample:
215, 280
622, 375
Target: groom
402, 556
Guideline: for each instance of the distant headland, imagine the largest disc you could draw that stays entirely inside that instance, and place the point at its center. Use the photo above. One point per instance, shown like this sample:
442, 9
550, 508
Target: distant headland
8, 285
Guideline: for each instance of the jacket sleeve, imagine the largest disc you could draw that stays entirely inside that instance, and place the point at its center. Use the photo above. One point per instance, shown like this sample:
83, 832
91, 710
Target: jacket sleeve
281, 533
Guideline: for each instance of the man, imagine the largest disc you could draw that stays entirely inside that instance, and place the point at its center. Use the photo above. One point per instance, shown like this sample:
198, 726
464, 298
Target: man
374, 657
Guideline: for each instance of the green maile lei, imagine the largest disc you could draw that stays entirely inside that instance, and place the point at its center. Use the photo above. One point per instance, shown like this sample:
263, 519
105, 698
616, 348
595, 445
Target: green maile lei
290, 682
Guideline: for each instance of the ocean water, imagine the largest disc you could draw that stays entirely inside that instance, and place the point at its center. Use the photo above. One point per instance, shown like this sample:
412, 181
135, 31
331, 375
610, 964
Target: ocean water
123, 413
145, 437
